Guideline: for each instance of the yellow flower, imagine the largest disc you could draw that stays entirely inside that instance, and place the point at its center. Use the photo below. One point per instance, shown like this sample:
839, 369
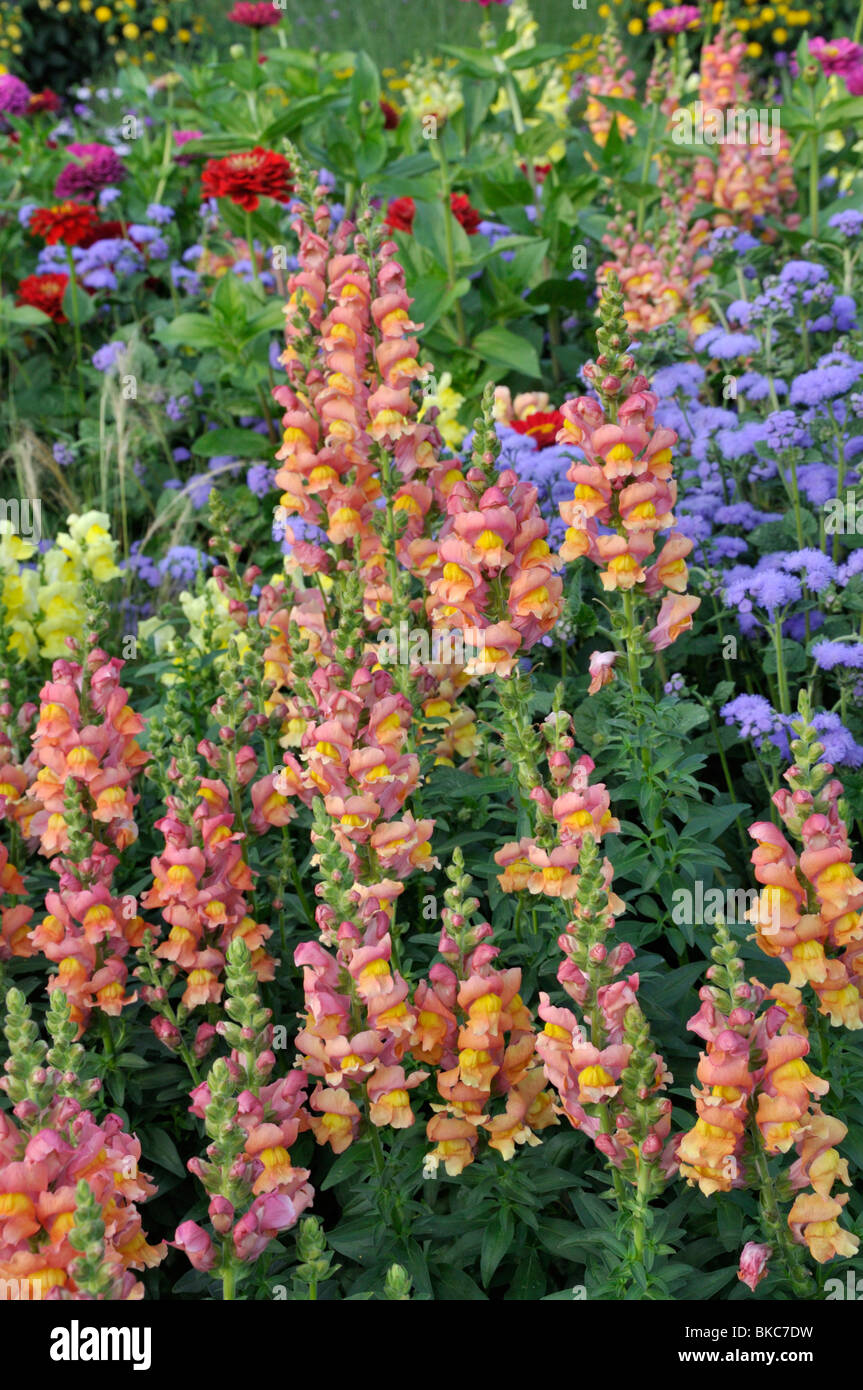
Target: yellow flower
604, 12
780, 35
768, 14
183, 35
636, 26
103, 14
13, 31
131, 31
160, 24
12, 548
754, 50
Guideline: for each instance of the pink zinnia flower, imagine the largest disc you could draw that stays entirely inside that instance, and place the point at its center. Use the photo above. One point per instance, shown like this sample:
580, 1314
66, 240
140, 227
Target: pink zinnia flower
254, 16
14, 95
675, 20
98, 167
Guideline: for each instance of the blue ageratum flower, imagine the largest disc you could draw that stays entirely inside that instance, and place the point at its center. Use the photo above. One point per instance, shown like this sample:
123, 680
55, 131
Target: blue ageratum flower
718, 342
848, 656
824, 384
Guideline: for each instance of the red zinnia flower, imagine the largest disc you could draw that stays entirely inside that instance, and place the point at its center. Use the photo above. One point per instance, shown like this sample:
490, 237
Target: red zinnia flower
43, 101
246, 178
400, 215
391, 115
66, 222
540, 171
464, 213
254, 16
542, 426
44, 292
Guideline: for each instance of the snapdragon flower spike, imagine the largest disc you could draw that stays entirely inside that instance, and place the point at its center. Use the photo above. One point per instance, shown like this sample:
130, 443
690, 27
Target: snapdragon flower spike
624, 490
494, 576
474, 1027
47, 1147
252, 1122
750, 181
14, 917
758, 1093
87, 754
601, 1062
351, 358
660, 268
810, 910
352, 737
567, 809
200, 882
86, 731
358, 1028
614, 79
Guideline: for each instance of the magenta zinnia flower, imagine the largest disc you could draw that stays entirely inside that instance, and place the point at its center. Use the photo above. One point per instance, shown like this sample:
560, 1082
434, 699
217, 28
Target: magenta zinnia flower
675, 20
254, 16
96, 167
14, 95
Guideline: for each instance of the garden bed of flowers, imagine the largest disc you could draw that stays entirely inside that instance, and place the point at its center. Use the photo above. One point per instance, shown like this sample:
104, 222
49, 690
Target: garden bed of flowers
431, 657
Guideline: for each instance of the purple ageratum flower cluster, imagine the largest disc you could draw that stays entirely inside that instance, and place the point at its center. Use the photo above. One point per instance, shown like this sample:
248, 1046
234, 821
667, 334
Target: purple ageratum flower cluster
754, 717
848, 224
260, 479
783, 430
683, 377
180, 564
848, 656
104, 358
825, 383
95, 167
301, 531
159, 214
63, 454
719, 342
777, 582
98, 267
754, 386
805, 286
840, 747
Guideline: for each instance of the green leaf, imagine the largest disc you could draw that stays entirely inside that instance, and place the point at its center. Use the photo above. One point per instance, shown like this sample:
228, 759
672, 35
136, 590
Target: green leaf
365, 83
158, 1147
496, 1240
298, 112
500, 346
77, 304
540, 53
192, 330
26, 316
243, 443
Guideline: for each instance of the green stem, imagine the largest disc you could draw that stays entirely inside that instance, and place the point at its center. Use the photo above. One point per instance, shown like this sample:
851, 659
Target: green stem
76, 325
449, 240
813, 182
